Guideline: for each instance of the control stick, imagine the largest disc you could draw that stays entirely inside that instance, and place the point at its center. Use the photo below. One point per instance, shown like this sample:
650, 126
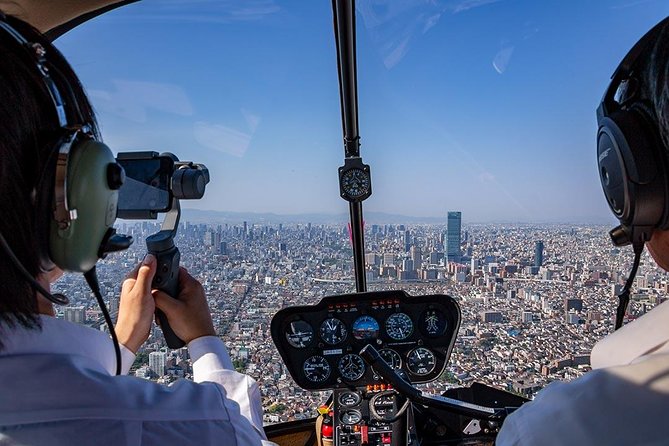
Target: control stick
372, 358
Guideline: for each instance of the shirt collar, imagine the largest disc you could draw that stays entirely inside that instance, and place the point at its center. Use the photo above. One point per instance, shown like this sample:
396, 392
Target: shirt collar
62, 338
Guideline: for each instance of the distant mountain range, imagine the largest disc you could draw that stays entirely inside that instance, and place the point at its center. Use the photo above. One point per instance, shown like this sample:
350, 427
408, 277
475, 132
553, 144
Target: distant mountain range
208, 216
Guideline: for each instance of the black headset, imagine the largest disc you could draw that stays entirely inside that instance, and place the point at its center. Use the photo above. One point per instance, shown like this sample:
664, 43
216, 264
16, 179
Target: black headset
632, 166
85, 193
631, 160
87, 178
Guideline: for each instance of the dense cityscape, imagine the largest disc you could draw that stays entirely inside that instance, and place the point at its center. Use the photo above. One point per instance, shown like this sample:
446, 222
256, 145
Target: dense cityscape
534, 298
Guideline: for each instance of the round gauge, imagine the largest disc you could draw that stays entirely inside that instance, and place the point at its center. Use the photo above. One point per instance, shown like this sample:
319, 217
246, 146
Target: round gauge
391, 357
333, 331
433, 323
350, 416
299, 334
365, 327
421, 361
399, 326
351, 367
316, 369
349, 399
355, 182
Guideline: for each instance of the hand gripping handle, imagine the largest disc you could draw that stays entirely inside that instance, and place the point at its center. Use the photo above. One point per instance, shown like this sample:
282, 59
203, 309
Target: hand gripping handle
166, 279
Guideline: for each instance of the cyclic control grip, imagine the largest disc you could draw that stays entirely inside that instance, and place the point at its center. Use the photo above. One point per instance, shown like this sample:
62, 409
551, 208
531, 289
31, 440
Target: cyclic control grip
161, 245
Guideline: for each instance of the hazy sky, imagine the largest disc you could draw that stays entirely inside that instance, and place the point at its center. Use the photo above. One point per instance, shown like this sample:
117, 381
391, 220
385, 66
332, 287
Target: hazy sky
483, 106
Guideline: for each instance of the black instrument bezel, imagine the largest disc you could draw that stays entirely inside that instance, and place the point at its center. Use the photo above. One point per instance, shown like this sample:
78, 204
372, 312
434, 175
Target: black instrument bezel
379, 305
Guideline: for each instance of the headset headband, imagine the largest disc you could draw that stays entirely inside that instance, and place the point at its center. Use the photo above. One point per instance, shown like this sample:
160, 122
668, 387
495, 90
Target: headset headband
626, 67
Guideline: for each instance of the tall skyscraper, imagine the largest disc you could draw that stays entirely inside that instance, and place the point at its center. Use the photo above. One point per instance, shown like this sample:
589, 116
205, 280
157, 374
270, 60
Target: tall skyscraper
157, 362
416, 256
453, 236
538, 253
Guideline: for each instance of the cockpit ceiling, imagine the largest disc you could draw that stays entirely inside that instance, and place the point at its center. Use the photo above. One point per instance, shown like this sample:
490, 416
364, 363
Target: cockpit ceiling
56, 17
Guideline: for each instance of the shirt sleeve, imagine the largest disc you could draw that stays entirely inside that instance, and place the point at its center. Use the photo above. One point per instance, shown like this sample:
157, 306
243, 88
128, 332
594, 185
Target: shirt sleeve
127, 359
211, 363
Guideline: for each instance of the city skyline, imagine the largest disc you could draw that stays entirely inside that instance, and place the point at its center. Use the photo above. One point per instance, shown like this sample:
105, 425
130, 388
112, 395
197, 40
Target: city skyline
522, 326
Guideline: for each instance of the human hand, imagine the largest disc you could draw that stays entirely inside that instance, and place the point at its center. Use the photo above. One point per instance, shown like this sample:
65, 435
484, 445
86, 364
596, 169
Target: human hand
136, 308
189, 314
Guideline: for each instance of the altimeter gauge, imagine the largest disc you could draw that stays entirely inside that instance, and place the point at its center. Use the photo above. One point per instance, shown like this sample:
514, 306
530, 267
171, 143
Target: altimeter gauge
333, 331
399, 326
316, 369
355, 182
351, 367
421, 361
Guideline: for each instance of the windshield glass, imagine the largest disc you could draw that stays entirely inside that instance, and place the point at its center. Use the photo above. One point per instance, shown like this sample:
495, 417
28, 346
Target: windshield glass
477, 118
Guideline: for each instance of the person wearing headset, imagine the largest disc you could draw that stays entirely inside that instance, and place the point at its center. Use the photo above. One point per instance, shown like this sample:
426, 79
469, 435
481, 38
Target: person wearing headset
58, 195
623, 400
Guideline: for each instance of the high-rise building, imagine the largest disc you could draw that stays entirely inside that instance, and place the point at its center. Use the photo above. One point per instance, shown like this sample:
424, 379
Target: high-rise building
75, 314
157, 362
538, 253
416, 256
407, 241
453, 236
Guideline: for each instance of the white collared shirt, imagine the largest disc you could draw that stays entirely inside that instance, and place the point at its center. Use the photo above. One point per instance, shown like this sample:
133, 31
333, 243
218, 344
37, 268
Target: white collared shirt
622, 401
57, 387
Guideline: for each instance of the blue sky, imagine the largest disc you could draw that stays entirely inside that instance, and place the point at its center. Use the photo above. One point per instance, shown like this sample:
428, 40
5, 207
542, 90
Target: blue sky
483, 106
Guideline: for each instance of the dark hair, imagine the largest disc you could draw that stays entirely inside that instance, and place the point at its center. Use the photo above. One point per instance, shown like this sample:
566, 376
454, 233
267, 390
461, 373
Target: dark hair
653, 77
29, 130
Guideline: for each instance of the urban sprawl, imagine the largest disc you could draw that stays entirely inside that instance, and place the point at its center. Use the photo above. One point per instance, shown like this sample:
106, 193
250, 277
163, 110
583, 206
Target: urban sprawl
534, 298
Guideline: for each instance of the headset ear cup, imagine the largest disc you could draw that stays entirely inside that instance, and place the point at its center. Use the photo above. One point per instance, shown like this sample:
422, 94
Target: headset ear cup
76, 248
632, 171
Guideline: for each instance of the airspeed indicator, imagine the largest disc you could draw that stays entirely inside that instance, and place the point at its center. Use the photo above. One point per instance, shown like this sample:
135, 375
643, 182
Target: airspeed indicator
316, 369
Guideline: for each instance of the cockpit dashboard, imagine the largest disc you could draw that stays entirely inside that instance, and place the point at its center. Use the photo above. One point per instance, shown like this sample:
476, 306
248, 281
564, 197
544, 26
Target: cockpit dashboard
320, 344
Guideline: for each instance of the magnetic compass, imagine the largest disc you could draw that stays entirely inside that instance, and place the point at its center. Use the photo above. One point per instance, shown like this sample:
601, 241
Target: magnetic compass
355, 182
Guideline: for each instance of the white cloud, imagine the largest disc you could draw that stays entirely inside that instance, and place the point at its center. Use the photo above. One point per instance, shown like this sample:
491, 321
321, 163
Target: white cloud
222, 138
132, 99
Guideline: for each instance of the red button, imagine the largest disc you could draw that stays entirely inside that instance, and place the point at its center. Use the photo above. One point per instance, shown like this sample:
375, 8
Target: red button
326, 430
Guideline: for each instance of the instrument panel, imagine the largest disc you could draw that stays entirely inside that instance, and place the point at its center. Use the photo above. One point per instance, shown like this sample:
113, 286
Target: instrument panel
319, 344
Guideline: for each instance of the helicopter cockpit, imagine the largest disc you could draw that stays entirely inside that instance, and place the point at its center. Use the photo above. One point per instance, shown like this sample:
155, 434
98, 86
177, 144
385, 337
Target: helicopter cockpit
371, 346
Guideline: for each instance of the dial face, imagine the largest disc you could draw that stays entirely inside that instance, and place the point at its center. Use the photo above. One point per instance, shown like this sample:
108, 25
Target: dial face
333, 331
355, 182
365, 327
316, 369
399, 326
351, 367
299, 334
350, 416
391, 357
433, 323
421, 361
349, 399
